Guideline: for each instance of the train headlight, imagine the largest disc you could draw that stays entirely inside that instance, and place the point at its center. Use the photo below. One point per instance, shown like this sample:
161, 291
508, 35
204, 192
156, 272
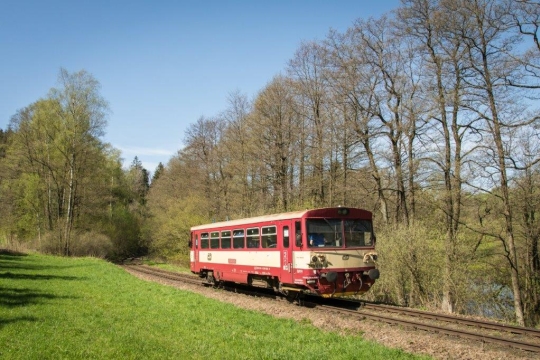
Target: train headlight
370, 257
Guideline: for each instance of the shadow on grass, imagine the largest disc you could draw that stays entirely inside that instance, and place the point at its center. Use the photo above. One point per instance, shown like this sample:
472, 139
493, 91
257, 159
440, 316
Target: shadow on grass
16, 297
6, 266
21, 262
4, 322
9, 275
11, 253
21, 266
11, 258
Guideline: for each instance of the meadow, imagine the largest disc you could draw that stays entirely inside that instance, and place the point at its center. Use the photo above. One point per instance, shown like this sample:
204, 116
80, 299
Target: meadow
86, 308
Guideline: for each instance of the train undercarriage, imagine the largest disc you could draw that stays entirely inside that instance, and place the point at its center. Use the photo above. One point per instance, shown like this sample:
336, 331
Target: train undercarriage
325, 284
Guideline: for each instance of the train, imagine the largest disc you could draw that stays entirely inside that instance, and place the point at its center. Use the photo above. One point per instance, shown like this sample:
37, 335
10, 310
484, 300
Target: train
327, 252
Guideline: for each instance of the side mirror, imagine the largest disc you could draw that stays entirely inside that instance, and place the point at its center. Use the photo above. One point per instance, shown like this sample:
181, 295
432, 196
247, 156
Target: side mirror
190, 243
299, 240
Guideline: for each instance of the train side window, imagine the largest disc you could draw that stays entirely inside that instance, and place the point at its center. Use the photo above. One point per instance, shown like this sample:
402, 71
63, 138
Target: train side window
253, 239
298, 233
226, 239
286, 237
204, 241
269, 237
238, 239
196, 241
214, 240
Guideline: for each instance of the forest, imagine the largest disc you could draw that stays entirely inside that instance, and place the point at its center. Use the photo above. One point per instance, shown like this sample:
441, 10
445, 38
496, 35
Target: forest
427, 116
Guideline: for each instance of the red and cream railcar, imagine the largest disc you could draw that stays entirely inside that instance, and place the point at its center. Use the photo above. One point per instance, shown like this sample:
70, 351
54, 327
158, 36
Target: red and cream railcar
328, 252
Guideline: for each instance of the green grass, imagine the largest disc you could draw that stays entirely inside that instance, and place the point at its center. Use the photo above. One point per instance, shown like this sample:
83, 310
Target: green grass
169, 267
59, 308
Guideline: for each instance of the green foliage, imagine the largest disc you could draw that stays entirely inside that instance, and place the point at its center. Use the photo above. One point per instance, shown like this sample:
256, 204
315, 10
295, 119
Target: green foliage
169, 227
175, 204
159, 170
56, 141
49, 243
88, 308
409, 261
4, 138
64, 190
124, 229
138, 181
93, 244
29, 201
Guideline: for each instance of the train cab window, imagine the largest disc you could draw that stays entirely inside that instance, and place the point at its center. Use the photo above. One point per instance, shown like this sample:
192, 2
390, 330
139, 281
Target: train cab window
324, 232
358, 233
226, 239
252, 238
204, 241
269, 237
286, 237
214, 240
238, 239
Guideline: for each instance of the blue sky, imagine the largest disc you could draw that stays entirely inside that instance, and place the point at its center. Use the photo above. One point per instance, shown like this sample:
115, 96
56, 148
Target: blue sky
161, 64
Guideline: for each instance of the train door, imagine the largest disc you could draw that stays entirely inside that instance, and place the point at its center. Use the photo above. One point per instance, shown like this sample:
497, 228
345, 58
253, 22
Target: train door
287, 239
195, 250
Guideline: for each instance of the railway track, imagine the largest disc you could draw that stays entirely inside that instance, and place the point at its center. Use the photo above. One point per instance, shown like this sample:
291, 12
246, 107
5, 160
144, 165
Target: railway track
526, 339
458, 330
187, 278
483, 324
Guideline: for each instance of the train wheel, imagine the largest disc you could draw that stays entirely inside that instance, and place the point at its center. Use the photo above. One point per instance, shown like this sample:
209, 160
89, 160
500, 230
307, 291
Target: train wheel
291, 296
282, 291
210, 278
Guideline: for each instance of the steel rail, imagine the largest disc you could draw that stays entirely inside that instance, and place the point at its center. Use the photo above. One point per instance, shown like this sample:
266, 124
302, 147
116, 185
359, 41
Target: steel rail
518, 344
165, 274
454, 319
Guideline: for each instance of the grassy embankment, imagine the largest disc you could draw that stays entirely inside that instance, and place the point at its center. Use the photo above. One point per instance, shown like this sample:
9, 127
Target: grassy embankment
52, 308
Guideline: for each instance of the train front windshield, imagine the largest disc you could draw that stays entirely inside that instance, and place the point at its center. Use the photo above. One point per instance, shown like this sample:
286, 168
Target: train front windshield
339, 233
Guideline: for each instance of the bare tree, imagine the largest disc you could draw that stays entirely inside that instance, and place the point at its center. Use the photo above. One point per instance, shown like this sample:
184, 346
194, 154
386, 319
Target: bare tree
493, 65
307, 69
526, 16
527, 204
386, 57
353, 84
204, 144
275, 128
426, 22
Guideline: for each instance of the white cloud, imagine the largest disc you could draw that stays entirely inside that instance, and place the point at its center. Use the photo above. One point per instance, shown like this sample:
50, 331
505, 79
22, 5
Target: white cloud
141, 151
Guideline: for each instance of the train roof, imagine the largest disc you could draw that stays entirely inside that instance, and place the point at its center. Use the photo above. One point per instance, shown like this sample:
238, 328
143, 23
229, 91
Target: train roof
281, 216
